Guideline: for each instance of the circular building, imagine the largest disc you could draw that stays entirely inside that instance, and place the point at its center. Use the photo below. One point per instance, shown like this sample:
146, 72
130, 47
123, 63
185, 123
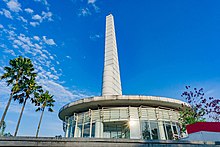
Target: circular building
114, 115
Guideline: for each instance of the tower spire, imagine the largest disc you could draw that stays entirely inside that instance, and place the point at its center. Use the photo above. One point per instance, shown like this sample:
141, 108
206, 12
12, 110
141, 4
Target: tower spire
111, 84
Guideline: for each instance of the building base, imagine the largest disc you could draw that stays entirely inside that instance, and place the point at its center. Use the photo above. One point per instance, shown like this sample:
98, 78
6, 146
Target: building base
98, 142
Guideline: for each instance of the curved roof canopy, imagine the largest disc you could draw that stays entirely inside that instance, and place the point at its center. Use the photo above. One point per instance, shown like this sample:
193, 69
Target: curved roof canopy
118, 101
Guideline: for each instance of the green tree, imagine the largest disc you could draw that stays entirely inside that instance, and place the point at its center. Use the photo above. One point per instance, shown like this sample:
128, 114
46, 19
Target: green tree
200, 109
190, 115
43, 100
19, 67
28, 88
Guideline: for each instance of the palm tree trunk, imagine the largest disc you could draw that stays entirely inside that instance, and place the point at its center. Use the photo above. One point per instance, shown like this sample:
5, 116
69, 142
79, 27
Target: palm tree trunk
16, 131
6, 109
38, 128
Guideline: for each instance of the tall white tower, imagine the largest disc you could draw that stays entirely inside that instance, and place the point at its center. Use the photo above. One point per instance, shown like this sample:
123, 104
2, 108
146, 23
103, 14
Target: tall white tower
111, 84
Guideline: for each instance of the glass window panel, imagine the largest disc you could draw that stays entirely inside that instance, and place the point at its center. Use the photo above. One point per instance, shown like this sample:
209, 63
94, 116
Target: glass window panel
175, 131
106, 135
114, 134
169, 132
165, 130
86, 131
79, 130
72, 128
119, 134
174, 128
116, 130
145, 130
93, 130
178, 128
126, 133
73, 131
154, 130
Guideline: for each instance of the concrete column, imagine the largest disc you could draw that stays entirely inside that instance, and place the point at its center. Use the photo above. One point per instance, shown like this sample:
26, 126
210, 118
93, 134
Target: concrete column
68, 128
76, 127
79, 132
98, 129
134, 123
161, 130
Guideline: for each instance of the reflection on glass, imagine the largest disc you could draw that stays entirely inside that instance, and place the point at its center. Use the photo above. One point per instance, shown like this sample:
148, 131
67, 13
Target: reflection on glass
72, 129
174, 128
154, 130
79, 130
93, 130
145, 130
150, 130
116, 130
168, 130
86, 131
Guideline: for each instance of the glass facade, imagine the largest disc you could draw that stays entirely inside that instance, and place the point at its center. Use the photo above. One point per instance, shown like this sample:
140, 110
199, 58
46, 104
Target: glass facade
150, 130
124, 122
116, 130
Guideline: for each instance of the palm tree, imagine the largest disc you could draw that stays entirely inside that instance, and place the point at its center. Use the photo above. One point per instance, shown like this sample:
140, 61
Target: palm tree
2, 128
43, 100
19, 67
28, 88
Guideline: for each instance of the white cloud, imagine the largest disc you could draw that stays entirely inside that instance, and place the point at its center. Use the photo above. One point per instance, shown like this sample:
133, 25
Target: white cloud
49, 41
96, 8
18, 42
29, 44
25, 39
29, 10
1, 26
61, 94
37, 17
7, 14
4, 90
42, 1
22, 19
38, 46
25, 42
84, 12
68, 57
36, 38
9, 51
47, 15
34, 24
91, 1
94, 37
89, 8
44, 16
15, 46
14, 5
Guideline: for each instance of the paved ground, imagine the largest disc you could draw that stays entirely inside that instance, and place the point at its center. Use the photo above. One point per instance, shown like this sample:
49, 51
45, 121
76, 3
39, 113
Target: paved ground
98, 142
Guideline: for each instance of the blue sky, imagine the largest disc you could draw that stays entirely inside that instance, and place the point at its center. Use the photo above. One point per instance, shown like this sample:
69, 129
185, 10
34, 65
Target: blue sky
162, 45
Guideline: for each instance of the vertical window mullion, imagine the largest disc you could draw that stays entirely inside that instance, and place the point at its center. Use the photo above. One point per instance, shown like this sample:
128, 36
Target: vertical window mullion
83, 124
90, 127
172, 128
165, 127
149, 127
